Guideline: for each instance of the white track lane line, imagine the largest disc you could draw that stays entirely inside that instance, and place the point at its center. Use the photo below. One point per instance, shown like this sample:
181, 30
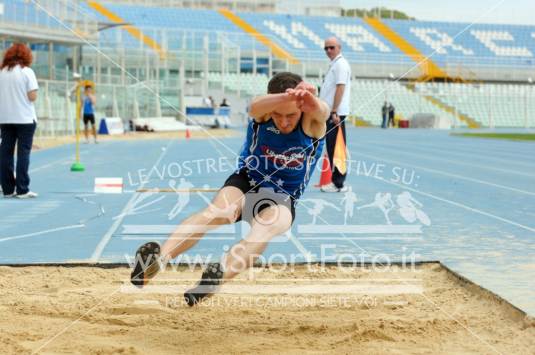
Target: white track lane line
457, 162
48, 165
106, 238
439, 172
457, 204
22, 236
471, 151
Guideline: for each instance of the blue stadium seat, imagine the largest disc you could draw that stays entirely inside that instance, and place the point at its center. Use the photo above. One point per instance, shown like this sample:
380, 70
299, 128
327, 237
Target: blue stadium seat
302, 36
467, 44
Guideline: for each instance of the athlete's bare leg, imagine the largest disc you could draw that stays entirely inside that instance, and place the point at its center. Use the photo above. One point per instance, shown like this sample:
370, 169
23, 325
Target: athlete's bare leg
242, 255
224, 209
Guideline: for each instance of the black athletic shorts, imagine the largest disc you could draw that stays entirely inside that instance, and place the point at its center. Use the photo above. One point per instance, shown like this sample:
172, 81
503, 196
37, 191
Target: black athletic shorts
89, 118
240, 180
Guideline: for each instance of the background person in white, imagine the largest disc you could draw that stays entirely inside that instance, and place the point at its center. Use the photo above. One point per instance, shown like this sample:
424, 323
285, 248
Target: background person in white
18, 91
335, 90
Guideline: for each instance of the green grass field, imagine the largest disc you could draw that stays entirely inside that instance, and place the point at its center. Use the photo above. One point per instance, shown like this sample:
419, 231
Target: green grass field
509, 136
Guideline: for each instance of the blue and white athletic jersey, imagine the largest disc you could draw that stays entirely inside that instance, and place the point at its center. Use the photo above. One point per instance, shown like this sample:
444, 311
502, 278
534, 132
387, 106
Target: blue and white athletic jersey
284, 162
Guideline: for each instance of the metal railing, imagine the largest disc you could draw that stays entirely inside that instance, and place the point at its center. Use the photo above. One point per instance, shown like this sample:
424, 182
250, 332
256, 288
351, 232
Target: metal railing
47, 19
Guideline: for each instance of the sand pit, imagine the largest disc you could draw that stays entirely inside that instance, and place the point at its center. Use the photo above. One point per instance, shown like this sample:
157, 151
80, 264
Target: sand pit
40, 304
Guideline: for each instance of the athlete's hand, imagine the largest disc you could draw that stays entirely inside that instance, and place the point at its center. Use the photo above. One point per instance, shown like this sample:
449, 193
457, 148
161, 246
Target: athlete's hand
306, 86
304, 99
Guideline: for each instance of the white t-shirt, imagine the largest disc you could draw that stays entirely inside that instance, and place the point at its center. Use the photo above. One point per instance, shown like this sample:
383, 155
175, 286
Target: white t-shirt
339, 72
15, 107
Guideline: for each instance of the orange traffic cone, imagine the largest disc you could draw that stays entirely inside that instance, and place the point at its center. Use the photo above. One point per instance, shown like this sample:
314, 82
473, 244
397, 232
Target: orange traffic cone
188, 133
326, 172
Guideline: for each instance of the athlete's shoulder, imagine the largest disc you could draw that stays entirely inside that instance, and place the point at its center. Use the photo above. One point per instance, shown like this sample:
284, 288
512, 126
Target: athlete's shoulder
261, 119
312, 128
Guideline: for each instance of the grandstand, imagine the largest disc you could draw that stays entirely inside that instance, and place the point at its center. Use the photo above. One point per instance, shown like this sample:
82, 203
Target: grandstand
479, 75
492, 105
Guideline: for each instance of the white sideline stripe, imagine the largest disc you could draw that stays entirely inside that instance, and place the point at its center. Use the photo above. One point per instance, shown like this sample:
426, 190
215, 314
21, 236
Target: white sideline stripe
107, 237
471, 209
161, 281
481, 182
457, 162
133, 229
359, 229
268, 289
42, 232
167, 237
363, 238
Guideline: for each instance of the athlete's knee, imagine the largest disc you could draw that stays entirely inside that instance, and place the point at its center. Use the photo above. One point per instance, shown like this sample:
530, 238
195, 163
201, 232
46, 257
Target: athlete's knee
220, 215
272, 222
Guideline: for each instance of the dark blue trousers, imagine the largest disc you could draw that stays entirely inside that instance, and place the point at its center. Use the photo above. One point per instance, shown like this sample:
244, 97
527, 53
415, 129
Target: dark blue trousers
20, 135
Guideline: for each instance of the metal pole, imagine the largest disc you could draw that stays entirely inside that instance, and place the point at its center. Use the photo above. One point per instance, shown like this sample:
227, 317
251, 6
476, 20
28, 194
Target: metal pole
238, 61
255, 69
68, 102
529, 90
147, 66
525, 107
77, 166
182, 81
122, 53
205, 66
115, 107
491, 122
98, 69
51, 74
223, 64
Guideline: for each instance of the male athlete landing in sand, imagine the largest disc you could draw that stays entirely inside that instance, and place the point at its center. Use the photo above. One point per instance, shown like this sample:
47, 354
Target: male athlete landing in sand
284, 141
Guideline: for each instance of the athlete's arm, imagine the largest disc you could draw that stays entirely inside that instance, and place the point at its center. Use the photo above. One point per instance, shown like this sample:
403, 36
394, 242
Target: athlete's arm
314, 108
261, 106
308, 87
316, 112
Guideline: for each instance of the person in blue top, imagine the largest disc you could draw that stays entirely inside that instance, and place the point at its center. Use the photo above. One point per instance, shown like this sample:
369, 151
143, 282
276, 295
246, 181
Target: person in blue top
88, 103
284, 140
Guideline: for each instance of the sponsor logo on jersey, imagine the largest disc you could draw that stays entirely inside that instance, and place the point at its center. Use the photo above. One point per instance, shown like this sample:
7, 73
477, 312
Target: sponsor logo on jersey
291, 158
274, 130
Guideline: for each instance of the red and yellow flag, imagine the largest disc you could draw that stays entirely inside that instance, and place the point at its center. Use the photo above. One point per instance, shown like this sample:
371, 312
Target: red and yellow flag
340, 155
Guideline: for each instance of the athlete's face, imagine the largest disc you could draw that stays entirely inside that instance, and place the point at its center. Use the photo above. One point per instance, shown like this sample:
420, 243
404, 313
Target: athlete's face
332, 48
286, 117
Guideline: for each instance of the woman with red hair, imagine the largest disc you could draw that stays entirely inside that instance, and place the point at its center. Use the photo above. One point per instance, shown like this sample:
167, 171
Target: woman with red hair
18, 91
